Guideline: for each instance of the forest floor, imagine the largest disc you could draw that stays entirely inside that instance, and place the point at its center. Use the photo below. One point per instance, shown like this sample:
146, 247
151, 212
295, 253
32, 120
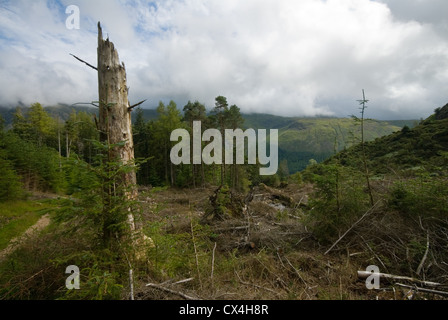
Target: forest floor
262, 250
263, 253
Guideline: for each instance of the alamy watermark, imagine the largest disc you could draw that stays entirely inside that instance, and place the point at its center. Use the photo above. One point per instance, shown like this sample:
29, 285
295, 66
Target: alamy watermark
213, 152
73, 20
72, 281
373, 281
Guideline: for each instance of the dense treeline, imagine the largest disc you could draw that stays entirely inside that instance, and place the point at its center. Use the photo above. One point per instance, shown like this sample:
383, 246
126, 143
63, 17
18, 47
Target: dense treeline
41, 152
153, 145
36, 152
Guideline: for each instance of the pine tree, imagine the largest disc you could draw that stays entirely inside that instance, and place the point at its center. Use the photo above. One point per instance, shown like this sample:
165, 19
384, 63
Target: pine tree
235, 121
363, 107
195, 112
169, 120
220, 112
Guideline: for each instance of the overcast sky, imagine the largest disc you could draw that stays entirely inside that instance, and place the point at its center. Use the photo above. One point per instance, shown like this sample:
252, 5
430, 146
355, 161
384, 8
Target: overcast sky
284, 57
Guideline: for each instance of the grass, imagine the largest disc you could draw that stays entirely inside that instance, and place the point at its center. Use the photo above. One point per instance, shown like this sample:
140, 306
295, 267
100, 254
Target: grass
16, 217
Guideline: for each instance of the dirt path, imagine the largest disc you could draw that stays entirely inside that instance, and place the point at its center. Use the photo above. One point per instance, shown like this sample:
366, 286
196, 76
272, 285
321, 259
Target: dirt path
43, 222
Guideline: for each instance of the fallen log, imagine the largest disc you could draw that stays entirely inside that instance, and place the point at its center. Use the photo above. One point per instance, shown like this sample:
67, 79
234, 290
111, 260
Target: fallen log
287, 200
385, 276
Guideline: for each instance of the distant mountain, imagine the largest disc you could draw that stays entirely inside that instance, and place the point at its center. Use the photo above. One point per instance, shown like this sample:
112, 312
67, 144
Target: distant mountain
265, 121
302, 139
7, 114
63, 111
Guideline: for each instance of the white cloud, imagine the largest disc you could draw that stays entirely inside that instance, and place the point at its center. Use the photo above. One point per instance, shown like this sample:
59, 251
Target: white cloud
285, 57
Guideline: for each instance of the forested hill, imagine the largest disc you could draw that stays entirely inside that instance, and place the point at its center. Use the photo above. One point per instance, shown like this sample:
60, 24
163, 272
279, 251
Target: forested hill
300, 139
63, 111
423, 148
303, 139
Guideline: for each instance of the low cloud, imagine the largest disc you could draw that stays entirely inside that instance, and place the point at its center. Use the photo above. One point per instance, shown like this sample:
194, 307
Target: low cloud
287, 57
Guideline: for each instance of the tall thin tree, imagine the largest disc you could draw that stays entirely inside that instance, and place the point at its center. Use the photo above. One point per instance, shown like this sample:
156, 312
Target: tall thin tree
363, 107
221, 109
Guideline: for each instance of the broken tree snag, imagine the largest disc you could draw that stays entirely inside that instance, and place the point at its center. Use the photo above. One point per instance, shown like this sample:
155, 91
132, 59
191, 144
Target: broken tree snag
115, 118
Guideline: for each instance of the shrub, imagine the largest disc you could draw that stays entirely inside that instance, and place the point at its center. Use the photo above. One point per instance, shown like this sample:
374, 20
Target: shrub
10, 185
424, 196
338, 201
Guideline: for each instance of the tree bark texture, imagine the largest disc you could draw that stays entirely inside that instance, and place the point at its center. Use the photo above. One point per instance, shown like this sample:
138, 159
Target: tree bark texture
115, 113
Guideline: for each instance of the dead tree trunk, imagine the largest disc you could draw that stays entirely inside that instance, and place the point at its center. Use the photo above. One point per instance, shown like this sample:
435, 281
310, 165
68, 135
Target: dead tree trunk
114, 114
115, 120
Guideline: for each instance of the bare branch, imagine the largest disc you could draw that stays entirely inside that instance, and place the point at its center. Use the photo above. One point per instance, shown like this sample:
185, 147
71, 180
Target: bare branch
385, 276
353, 225
213, 263
420, 266
442, 293
88, 64
183, 295
136, 105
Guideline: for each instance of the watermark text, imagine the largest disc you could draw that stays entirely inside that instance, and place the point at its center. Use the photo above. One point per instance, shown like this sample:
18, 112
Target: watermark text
72, 281
234, 140
73, 20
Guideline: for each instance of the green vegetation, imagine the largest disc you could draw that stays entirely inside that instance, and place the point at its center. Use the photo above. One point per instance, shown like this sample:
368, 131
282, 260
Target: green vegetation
10, 185
409, 150
18, 216
222, 231
307, 139
408, 175
301, 139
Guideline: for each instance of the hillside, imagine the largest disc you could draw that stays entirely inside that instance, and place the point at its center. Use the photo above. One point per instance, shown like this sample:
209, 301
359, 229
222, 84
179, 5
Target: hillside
422, 148
302, 139
393, 206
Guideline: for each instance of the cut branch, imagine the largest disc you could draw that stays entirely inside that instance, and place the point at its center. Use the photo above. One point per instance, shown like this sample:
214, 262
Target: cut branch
353, 225
255, 285
213, 263
183, 281
385, 276
88, 64
420, 266
442, 293
181, 294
